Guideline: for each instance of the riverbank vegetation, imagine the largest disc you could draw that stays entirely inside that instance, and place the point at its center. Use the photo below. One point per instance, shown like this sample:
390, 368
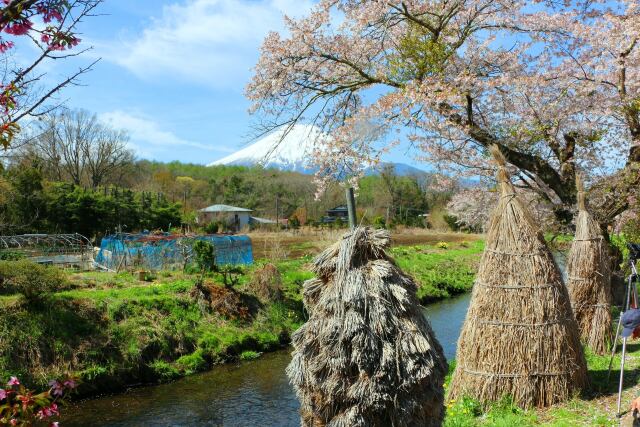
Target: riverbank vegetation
113, 330
596, 406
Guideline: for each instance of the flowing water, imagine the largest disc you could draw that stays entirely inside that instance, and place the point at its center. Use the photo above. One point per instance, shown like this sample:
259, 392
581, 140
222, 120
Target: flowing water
254, 393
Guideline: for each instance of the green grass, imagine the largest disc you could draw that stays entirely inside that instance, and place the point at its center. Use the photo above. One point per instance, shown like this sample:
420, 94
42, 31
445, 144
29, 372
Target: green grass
593, 407
440, 272
249, 355
111, 329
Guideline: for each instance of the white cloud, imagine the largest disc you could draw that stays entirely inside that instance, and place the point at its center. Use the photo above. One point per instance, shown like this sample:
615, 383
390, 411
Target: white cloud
147, 137
214, 42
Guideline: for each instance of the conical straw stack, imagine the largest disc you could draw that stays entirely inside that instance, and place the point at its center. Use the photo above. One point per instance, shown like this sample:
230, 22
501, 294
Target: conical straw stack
367, 356
519, 338
589, 280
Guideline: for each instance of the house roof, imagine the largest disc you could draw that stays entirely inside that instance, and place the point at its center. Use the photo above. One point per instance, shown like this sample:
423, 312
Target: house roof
262, 220
338, 208
224, 208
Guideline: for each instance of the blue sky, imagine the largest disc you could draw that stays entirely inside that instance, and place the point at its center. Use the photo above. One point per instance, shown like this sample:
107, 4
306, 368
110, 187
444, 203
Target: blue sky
173, 72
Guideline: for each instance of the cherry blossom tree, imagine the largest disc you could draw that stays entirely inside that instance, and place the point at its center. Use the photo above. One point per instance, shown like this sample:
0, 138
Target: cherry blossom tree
456, 76
472, 208
597, 44
50, 26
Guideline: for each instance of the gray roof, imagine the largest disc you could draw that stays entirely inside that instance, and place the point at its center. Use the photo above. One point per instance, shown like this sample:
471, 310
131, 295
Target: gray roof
262, 220
224, 208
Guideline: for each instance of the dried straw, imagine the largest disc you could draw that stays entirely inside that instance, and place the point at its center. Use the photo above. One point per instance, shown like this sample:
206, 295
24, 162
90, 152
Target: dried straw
519, 337
367, 356
589, 279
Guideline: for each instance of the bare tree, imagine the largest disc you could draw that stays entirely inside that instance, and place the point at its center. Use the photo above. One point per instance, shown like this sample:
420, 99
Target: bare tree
107, 155
76, 146
22, 92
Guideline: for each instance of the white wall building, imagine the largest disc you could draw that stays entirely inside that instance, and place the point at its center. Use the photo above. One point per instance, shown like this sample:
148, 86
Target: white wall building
236, 218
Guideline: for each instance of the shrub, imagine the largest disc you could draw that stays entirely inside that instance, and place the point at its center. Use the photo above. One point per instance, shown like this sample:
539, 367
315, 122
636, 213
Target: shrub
294, 222
211, 228
452, 222
205, 255
11, 255
442, 245
379, 222
33, 281
267, 284
164, 370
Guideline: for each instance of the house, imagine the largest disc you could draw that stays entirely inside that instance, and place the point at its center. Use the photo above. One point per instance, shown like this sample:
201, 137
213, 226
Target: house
236, 218
339, 212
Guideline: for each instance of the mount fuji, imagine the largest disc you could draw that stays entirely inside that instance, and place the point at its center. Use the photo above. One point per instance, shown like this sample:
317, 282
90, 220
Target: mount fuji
291, 153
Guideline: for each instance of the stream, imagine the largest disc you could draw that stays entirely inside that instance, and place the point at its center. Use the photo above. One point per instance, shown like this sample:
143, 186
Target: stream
255, 393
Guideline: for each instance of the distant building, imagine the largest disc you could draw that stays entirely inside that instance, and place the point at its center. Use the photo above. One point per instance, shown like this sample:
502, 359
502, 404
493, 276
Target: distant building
339, 212
254, 220
234, 217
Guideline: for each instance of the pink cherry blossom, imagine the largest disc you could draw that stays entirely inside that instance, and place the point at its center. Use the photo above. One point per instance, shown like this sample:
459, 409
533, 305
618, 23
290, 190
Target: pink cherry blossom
18, 27
5, 46
13, 381
541, 82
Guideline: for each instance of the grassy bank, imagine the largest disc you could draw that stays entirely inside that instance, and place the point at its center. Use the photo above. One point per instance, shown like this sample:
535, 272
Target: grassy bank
441, 270
114, 330
593, 407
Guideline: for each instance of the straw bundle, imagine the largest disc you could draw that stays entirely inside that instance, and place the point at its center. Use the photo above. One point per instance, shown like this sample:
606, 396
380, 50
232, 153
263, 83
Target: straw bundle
589, 279
367, 356
519, 337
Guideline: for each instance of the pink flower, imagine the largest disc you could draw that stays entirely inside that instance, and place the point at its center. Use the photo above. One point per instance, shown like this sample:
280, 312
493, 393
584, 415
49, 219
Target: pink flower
48, 412
3, 394
19, 28
46, 38
13, 422
13, 381
57, 389
49, 14
54, 424
5, 46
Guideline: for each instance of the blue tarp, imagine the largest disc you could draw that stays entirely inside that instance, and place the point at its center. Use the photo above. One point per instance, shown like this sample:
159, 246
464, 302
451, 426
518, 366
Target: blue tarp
166, 252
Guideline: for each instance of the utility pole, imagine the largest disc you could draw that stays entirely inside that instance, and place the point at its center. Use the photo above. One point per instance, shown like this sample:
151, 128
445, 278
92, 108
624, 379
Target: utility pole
351, 207
277, 211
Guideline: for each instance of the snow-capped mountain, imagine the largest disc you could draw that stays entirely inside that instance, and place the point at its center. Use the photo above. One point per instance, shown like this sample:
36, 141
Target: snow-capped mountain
293, 153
